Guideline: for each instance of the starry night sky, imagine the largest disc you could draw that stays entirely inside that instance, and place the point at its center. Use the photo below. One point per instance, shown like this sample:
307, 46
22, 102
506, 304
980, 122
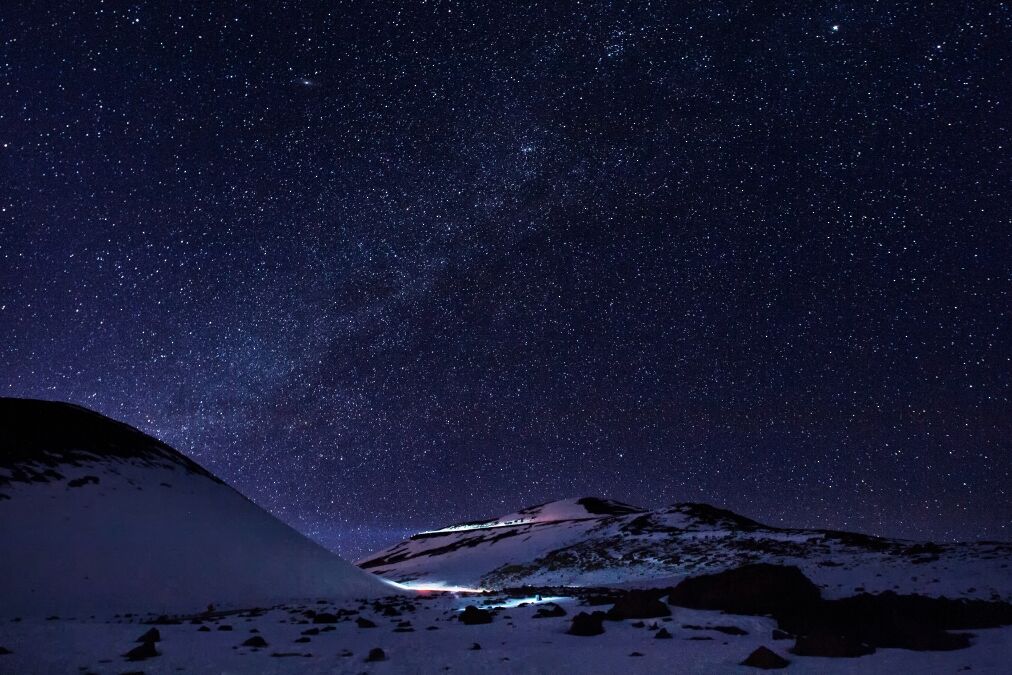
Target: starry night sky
384, 268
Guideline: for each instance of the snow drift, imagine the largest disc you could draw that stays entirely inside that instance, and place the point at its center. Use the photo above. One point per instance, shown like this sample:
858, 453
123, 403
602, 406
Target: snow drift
97, 517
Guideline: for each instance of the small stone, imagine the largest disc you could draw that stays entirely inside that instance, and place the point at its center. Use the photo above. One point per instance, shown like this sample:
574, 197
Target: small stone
587, 624
472, 616
145, 650
151, 636
766, 659
376, 654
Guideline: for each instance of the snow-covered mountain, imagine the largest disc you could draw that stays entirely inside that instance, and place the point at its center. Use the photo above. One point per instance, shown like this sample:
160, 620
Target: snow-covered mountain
97, 517
597, 542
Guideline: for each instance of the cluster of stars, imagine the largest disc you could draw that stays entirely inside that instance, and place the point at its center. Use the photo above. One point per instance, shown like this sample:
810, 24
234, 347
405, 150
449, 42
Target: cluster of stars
387, 268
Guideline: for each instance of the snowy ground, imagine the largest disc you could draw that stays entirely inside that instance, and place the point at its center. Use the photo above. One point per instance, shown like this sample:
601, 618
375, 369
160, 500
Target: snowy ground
514, 643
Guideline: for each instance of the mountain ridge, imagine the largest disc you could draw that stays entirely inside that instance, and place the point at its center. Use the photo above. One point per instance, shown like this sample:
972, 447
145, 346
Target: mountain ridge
564, 543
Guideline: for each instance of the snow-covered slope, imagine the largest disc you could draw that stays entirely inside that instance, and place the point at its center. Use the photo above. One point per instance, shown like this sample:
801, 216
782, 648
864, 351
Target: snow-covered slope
595, 542
96, 517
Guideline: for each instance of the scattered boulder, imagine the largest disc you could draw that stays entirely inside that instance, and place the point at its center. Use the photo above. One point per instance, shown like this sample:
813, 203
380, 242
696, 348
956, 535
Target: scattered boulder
324, 617
901, 621
472, 616
752, 589
376, 654
587, 624
83, 480
301, 640
4, 651
224, 626
765, 659
475, 647
311, 631
549, 611
638, 605
145, 650
663, 634
830, 644
364, 623
729, 630
255, 641
151, 636
203, 629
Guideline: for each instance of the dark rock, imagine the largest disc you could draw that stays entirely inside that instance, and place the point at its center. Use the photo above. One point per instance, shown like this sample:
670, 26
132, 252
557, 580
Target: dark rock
151, 636
376, 654
4, 651
766, 659
255, 641
638, 605
828, 644
301, 640
729, 630
549, 611
311, 631
662, 634
224, 626
203, 629
635, 654
364, 623
324, 617
753, 589
475, 647
83, 480
637, 624
901, 621
607, 507
587, 624
145, 650
472, 616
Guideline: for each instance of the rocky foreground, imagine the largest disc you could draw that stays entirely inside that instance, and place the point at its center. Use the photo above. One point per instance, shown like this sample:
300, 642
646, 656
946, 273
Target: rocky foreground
755, 617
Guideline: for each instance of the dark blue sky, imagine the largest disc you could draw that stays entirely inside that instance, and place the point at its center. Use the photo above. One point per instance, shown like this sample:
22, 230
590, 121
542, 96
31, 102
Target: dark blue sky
385, 268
